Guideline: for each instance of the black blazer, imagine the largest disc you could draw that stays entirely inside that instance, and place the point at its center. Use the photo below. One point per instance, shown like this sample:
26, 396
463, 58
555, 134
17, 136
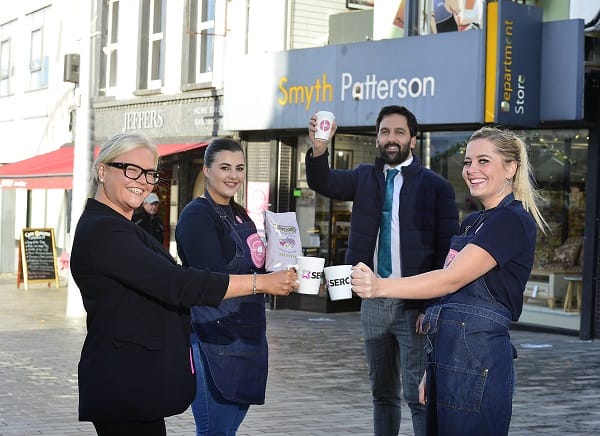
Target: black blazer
135, 361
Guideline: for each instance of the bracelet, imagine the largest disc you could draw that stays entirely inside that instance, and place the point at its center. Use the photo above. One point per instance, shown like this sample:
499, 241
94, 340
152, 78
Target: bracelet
254, 284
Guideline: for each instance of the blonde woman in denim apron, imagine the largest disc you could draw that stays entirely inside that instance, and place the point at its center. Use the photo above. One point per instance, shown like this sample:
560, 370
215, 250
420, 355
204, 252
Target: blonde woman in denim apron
469, 380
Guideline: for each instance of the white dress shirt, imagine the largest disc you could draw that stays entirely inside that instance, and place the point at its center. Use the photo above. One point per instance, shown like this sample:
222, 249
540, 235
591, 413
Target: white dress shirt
395, 227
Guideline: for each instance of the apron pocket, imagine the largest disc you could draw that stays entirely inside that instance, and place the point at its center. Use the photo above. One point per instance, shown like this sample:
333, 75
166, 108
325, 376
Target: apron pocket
459, 388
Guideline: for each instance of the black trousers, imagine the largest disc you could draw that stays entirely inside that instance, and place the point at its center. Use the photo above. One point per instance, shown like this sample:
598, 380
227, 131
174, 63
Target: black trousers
131, 428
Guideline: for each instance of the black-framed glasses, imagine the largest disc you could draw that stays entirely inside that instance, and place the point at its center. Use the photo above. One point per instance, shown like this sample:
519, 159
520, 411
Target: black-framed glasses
133, 172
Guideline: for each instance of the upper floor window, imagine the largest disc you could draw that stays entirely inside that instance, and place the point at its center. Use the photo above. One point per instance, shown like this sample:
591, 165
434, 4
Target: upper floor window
38, 57
110, 45
6, 58
151, 45
201, 41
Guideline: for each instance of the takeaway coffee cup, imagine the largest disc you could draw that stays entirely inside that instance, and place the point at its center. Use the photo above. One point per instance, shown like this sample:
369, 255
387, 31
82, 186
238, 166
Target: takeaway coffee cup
339, 282
324, 124
310, 273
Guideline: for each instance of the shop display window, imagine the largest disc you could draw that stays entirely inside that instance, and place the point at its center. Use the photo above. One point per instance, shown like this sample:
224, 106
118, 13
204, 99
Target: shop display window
558, 159
324, 223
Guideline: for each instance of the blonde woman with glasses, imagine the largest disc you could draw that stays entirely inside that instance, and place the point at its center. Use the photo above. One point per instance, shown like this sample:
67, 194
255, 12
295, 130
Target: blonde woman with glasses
135, 367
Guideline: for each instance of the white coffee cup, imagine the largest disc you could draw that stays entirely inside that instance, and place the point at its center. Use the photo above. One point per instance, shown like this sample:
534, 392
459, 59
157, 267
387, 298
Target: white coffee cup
325, 121
310, 273
339, 282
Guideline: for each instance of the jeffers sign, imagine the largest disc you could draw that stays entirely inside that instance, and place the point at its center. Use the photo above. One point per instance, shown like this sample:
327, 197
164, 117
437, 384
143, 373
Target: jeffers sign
194, 117
149, 119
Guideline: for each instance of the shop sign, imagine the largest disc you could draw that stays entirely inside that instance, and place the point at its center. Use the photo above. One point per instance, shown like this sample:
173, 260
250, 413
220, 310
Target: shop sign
563, 71
438, 77
513, 64
148, 119
198, 117
525, 72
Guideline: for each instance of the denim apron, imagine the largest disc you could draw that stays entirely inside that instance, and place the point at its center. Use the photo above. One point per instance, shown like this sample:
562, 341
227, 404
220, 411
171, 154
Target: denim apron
469, 357
232, 336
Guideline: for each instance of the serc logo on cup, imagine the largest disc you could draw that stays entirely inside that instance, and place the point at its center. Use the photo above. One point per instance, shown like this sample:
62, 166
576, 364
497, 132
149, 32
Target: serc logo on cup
311, 275
339, 282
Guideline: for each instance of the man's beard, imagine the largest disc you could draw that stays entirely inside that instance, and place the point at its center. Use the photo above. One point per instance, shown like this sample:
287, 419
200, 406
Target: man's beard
397, 157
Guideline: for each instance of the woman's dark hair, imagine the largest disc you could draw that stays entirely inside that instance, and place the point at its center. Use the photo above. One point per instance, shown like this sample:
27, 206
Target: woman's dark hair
218, 145
411, 120
215, 147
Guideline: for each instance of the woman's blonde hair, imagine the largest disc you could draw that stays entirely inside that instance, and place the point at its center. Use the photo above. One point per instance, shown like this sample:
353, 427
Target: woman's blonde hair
117, 145
512, 148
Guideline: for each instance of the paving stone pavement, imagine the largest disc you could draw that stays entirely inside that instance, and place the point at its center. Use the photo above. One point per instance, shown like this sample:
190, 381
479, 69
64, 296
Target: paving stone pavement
318, 382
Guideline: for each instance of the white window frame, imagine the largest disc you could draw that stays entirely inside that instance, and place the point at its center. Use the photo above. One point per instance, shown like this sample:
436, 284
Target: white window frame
6, 59
155, 83
111, 49
38, 74
37, 49
5, 56
197, 27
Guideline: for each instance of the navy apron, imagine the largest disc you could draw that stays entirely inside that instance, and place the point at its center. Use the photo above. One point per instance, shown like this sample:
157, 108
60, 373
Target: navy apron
232, 336
470, 373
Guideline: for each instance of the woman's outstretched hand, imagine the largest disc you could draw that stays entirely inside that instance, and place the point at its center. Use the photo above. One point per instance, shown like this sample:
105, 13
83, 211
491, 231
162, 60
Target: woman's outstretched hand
278, 282
364, 282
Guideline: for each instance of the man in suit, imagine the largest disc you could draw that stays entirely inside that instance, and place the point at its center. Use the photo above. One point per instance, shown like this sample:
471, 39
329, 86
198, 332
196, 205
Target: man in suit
422, 217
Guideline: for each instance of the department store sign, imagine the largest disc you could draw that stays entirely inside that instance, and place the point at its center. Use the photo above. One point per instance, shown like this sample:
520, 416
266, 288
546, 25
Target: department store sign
513, 64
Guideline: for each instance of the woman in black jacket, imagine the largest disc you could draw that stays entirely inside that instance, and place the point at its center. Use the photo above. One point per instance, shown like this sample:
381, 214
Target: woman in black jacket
135, 367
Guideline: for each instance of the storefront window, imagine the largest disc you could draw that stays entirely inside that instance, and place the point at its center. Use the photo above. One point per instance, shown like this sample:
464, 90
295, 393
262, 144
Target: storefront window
446, 156
324, 223
309, 213
340, 213
558, 159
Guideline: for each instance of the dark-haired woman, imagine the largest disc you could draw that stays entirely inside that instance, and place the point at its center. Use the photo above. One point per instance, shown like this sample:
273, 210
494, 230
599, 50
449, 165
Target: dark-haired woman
229, 341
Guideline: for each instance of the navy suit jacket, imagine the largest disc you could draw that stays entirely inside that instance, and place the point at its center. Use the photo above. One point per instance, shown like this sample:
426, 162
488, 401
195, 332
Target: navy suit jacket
428, 214
135, 361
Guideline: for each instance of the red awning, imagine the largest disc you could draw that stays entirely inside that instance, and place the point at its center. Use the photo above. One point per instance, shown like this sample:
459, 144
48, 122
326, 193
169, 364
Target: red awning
54, 170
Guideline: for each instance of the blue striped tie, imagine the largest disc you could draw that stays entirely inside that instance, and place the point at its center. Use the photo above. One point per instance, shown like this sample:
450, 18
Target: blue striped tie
384, 254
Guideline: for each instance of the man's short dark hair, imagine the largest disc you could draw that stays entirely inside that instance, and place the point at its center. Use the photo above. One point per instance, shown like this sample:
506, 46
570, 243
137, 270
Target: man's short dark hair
411, 120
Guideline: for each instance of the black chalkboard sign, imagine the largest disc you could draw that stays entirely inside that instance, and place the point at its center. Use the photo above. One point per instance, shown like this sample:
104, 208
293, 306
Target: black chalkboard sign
37, 257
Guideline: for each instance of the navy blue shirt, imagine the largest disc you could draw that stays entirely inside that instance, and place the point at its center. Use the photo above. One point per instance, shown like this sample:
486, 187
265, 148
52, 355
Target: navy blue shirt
201, 240
508, 234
